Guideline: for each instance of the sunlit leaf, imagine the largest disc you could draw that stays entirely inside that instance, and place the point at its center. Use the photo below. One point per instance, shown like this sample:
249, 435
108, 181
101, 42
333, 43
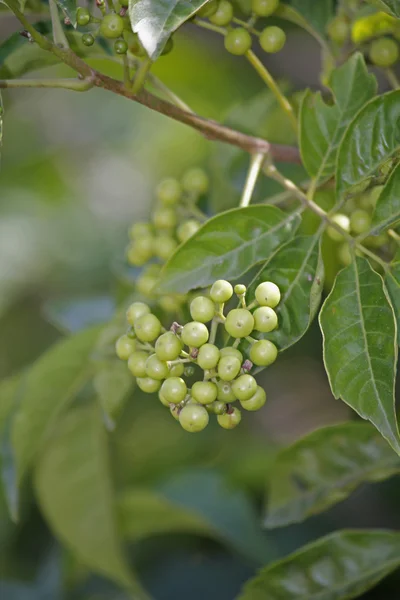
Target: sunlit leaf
360, 351
227, 246
339, 566
392, 281
323, 468
387, 209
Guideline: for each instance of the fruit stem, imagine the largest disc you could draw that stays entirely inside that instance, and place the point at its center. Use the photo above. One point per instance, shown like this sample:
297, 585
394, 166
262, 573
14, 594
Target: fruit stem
77, 85
59, 37
250, 339
394, 235
140, 76
256, 162
210, 26
236, 343
392, 79
213, 330
249, 25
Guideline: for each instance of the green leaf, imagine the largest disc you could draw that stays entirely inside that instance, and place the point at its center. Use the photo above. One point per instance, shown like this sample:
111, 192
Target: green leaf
227, 246
322, 125
74, 490
297, 268
315, 14
371, 138
392, 281
1, 122
323, 468
69, 9
339, 566
113, 383
387, 209
50, 384
360, 351
392, 7
155, 20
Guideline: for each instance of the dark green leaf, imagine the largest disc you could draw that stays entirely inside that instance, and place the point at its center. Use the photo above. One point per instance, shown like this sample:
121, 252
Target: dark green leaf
155, 20
392, 281
392, 7
16, 40
1, 122
50, 384
113, 382
322, 125
74, 489
387, 210
339, 566
323, 468
297, 268
317, 14
371, 138
227, 246
360, 350
69, 8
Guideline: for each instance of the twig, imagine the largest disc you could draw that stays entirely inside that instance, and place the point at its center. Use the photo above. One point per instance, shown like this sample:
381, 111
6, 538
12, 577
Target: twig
256, 162
77, 85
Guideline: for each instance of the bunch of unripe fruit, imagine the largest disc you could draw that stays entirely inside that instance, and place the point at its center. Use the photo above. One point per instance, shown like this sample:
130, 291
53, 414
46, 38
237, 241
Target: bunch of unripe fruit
163, 361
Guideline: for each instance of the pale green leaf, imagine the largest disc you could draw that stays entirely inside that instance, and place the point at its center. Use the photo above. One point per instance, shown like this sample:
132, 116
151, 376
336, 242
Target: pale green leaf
323, 468
339, 566
371, 139
74, 489
360, 351
50, 384
227, 246
155, 20
387, 209
113, 383
322, 125
392, 7
392, 281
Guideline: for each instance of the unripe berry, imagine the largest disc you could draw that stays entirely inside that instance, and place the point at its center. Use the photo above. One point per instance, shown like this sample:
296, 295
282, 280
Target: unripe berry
112, 26
344, 222
228, 368
244, 387
208, 9
202, 309
169, 191
140, 251
216, 408
156, 368
256, 402
265, 319
384, 52
263, 353
208, 356
148, 385
174, 390
344, 254
82, 16
194, 334
221, 291
124, 347
87, 39
136, 310
224, 14
195, 181
187, 229
339, 30
147, 328
238, 41
164, 218
164, 246
137, 364
193, 418
170, 304
264, 8
360, 221
145, 284
268, 294
176, 370
229, 351
168, 346
204, 392
231, 419
141, 229
272, 39
225, 392
121, 47
239, 323
240, 289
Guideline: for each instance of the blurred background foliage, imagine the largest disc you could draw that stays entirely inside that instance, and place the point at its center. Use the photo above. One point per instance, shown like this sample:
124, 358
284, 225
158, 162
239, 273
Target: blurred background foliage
76, 170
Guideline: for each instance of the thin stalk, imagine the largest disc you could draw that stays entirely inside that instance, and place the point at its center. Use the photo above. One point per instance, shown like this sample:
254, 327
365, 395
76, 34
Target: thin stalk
140, 76
210, 26
392, 79
213, 330
77, 85
247, 25
127, 74
59, 36
394, 236
256, 162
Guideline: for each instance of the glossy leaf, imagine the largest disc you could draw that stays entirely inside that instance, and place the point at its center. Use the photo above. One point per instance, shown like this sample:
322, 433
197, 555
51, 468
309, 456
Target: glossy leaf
312, 16
74, 490
392, 281
322, 125
155, 20
227, 246
50, 384
392, 7
113, 382
323, 468
339, 566
360, 351
69, 8
387, 209
297, 268
371, 138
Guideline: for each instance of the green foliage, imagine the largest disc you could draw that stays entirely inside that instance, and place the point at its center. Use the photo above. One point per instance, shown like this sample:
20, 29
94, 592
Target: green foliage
392, 280
69, 8
392, 7
387, 210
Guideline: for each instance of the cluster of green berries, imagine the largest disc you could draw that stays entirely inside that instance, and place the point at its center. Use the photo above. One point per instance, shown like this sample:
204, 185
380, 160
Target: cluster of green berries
239, 40
163, 361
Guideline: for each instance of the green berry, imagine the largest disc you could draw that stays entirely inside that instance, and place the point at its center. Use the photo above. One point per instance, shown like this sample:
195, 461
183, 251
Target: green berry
264, 8
204, 392
224, 14
344, 222
163, 399
339, 30
168, 346
189, 371
344, 254
202, 309
164, 218
225, 392
194, 334
82, 16
195, 181
230, 419
208, 356
141, 229
164, 246
384, 52
174, 390
263, 353
175, 410
176, 370
145, 284
272, 39
169, 192
136, 310
187, 229
240, 289
137, 364
244, 387
121, 47
148, 385
268, 294
170, 303
193, 418
156, 368
256, 401
228, 368
221, 291
124, 347
265, 319
216, 408
208, 9
229, 351
360, 221
87, 39
239, 323
130, 332
147, 328
140, 251
238, 41
376, 241
112, 26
